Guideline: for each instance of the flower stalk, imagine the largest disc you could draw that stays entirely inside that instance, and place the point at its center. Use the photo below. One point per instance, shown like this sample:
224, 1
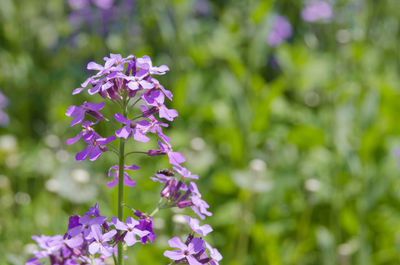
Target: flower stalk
121, 193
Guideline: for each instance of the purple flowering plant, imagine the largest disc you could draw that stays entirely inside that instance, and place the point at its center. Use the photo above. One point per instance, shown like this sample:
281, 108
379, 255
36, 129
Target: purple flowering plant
93, 238
281, 31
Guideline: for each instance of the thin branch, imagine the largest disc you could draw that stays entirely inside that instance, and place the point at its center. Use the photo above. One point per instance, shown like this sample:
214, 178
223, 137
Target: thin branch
135, 152
113, 147
136, 101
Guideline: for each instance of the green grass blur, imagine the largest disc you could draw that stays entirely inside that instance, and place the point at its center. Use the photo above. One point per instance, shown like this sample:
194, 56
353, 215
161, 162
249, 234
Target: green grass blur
293, 144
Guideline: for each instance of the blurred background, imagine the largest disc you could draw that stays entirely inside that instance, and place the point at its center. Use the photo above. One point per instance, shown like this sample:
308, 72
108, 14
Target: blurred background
289, 113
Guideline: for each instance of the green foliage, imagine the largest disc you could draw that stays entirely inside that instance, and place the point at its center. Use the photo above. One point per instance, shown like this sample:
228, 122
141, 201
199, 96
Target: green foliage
293, 144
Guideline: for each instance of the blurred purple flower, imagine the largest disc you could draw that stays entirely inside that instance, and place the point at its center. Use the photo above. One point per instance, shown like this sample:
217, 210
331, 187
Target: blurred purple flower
202, 7
185, 173
214, 254
281, 30
317, 10
103, 4
3, 116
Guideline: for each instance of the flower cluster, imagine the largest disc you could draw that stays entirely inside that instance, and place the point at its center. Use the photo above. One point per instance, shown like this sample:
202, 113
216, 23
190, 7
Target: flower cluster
316, 11
91, 237
122, 80
281, 30
95, 12
125, 82
195, 250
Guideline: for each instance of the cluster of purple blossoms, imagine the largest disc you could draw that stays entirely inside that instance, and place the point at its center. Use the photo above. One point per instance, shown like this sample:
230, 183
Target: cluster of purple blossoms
125, 82
99, 15
316, 11
281, 31
195, 250
3, 116
91, 238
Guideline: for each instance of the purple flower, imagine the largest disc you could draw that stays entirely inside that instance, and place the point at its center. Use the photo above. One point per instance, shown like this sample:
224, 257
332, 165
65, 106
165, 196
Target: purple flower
145, 63
175, 158
96, 145
185, 173
156, 99
214, 254
317, 10
49, 245
166, 92
281, 30
94, 211
82, 224
99, 245
127, 180
195, 226
103, 80
138, 130
79, 112
146, 224
125, 131
4, 120
139, 81
34, 261
161, 178
87, 133
185, 253
199, 206
131, 229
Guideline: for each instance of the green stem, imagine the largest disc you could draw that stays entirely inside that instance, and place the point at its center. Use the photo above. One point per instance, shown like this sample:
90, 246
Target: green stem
155, 211
121, 187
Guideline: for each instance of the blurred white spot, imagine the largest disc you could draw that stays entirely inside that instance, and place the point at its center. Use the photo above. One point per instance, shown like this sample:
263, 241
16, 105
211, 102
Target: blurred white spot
348, 248
4, 182
197, 144
177, 210
258, 165
311, 99
30, 248
158, 223
80, 175
12, 161
343, 36
22, 198
179, 219
52, 185
249, 180
52, 141
62, 155
8, 143
312, 185
311, 40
